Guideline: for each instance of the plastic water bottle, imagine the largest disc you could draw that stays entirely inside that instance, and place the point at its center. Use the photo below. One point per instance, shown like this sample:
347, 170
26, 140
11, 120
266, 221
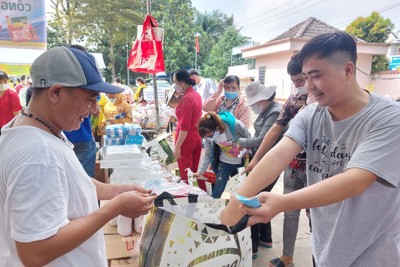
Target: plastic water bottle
191, 179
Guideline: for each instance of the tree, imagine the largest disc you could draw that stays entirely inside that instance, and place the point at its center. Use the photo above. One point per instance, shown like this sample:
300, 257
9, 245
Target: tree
113, 22
373, 29
63, 29
211, 27
176, 17
107, 28
220, 56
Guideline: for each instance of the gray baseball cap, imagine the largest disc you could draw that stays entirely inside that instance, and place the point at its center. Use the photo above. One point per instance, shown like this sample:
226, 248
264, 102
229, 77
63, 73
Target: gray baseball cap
69, 67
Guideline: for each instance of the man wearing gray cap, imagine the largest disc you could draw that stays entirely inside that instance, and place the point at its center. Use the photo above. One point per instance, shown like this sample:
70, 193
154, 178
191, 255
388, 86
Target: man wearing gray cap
49, 204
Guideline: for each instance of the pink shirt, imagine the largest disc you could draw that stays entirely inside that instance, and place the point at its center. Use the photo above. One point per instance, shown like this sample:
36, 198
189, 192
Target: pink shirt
9, 103
188, 113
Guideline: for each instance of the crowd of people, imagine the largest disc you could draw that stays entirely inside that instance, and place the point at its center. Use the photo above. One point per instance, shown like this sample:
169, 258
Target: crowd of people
338, 156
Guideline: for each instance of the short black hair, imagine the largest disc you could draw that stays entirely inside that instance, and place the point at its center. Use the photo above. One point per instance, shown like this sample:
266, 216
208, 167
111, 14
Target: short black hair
294, 67
117, 80
328, 44
193, 72
3, 75
231, 79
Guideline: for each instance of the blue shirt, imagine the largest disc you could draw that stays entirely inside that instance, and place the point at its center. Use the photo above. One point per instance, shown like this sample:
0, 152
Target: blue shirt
83, 134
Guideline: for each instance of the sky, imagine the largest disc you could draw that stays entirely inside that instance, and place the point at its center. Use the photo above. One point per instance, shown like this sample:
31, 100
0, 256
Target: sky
263, 20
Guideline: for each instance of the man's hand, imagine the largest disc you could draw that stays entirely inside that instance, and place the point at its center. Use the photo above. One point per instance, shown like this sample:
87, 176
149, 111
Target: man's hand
132, 204
270, 207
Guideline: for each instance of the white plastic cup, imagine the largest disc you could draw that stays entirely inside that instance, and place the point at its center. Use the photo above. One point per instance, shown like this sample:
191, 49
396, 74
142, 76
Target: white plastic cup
124, 226
138, 224
114, 222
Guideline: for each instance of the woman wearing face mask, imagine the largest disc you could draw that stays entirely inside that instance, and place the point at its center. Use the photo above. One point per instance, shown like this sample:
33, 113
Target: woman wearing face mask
187, 139
232, 101
116, 110
10, 105
221, 132
261, 99
140, 84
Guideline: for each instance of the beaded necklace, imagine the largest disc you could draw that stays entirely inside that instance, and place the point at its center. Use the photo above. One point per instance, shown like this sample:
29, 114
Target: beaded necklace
52, 130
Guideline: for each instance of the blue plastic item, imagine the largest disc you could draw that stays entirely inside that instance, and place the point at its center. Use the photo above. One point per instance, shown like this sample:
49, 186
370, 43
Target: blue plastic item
249, 202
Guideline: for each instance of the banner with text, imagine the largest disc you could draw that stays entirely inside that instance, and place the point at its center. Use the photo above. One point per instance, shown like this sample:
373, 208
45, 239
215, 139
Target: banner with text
23, 24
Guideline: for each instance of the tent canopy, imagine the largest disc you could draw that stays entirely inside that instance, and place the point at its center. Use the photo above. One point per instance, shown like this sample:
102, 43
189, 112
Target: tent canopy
19, 56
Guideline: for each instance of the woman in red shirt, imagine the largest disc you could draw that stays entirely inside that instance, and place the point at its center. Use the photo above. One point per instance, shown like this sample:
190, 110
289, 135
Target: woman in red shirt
10, 105
187, 139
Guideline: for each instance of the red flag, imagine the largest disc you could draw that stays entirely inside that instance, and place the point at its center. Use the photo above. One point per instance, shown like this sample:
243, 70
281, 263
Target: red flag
197, 44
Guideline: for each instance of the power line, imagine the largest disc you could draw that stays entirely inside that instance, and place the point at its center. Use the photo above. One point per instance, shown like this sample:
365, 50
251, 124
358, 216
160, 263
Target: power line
344, 23
263, 22
266, 12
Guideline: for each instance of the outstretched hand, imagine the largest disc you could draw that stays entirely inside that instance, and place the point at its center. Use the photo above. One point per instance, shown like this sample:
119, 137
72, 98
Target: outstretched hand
270, 207
132, 204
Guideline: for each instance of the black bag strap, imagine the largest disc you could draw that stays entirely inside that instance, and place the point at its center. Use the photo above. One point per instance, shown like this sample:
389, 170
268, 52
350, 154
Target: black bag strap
158, 202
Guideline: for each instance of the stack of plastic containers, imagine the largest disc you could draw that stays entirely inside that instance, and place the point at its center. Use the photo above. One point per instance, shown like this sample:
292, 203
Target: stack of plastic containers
118, 134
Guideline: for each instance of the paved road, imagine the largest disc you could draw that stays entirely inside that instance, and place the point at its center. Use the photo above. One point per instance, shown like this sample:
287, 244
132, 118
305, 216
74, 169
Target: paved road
302, 253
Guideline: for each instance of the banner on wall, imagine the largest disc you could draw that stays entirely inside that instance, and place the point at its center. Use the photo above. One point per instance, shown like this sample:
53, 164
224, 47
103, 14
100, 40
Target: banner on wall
23, 24
15, 69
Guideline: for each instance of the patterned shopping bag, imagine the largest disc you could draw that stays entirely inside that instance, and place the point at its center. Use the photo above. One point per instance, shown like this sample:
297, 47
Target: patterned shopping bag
177, 235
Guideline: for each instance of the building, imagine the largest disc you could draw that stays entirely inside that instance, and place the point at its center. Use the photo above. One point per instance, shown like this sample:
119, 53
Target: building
271, 58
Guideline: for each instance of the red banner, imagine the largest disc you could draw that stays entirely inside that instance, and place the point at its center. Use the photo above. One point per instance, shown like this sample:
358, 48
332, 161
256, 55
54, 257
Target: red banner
197, 44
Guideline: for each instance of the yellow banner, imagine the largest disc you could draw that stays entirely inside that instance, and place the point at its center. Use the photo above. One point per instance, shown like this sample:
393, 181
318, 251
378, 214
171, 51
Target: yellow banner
15, 69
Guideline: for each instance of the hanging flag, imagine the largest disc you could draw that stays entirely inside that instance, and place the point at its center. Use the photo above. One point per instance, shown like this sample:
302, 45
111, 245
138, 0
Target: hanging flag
197, 44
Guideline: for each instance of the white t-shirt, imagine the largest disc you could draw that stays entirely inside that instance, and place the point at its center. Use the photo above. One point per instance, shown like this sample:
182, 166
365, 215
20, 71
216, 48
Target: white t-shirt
42, 188
206, 88
363, 230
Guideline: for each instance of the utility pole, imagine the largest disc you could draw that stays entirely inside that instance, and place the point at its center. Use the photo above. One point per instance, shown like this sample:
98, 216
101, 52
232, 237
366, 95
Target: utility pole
156, 104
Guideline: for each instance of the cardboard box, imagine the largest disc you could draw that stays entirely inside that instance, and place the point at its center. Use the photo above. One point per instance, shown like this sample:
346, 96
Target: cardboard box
108, 229
128, 262
118, 246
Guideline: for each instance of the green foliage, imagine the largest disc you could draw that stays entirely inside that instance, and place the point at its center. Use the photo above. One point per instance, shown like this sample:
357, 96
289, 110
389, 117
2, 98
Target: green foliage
379, 63
374, 29
211, 27
110, 27
220, 56
176, 17
54, 35
107, 27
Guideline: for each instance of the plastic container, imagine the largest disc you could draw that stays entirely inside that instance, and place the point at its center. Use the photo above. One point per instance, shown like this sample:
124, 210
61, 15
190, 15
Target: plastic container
124, 225
138, 224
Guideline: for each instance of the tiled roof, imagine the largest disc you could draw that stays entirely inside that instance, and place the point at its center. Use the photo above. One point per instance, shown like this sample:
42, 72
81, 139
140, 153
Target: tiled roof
307, 29
393, 72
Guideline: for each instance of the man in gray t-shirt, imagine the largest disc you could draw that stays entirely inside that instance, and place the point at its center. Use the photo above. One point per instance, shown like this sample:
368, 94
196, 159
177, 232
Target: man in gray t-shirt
351, 138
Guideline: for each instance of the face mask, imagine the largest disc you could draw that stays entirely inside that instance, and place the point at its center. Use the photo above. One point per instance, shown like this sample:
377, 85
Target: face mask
113, 100
231, 95
214, 137
3, 87
257, 108
302, 90
137, 85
